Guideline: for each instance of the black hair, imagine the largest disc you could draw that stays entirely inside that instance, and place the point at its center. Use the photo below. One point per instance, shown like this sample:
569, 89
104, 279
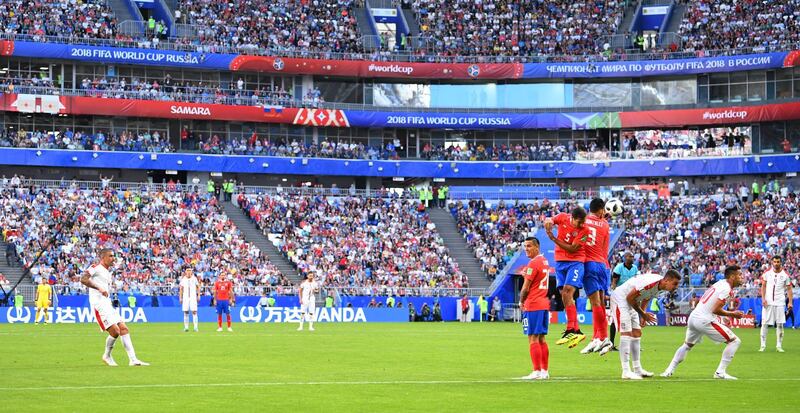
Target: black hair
731, 269
597, 205
579, 213
533, 240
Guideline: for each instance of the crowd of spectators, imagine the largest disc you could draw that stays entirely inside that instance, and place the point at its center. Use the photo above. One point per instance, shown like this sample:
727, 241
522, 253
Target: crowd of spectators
156, 235
448, 28
518, 28
130, 141
77, 19
546, 151
388, 244
729, 24
306, 25
254, 145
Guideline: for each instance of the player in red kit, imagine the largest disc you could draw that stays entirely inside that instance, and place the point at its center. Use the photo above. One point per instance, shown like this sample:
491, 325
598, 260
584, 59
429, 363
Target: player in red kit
596, 276
570, 254
535, 305
223, 296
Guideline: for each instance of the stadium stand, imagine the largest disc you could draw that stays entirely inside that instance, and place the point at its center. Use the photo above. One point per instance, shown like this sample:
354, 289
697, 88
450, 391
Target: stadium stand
86, 19
157, 234
385, 244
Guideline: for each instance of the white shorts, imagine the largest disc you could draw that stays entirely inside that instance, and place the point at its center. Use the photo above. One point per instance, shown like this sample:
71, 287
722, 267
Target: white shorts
773, 314
105, 314
309, 308
625, 318
189, 305
716, 331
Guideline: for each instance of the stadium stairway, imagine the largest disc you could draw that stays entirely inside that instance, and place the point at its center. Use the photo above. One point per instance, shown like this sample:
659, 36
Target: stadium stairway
252, 234
13, 273
675, 19
367, 29
124, 12
618, 41
411, 20
459, 249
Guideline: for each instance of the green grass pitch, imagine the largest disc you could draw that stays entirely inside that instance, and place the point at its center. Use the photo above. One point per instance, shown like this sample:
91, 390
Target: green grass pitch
431, 367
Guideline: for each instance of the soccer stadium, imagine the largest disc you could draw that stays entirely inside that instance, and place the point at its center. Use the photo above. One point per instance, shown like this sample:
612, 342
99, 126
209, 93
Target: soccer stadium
399, 205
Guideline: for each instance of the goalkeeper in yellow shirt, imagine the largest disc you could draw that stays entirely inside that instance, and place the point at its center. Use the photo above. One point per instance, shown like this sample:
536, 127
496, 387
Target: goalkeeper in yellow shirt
43, 296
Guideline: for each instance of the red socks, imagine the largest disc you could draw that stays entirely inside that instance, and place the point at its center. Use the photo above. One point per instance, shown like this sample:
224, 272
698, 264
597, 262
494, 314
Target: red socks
545, 354
599, 323
536, 355
229, 321
540, 356
572, 317
219, 321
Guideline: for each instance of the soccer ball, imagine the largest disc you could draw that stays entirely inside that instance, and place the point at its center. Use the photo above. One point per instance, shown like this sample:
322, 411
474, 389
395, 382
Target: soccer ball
614, 207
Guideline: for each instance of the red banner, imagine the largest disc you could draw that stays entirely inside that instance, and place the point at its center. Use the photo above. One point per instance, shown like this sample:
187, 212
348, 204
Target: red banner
358, 68
711, 116
748, 321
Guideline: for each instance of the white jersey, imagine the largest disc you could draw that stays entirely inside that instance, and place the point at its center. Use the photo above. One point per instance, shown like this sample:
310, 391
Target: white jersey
189, 287
102, 278
645, 284
776, 285
307, 289
720, 291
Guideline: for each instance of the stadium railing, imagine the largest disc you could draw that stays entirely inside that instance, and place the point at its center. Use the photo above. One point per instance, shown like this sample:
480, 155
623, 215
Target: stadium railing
255, 290
412, 56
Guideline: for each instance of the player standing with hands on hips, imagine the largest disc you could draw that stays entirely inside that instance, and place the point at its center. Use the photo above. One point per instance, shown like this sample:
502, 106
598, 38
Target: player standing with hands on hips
535, 305
776, 287
97, 279
308, 303
189, 295
223, 296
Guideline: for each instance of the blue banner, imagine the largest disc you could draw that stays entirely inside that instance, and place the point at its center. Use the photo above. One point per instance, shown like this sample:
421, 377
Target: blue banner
247, 314
149, 57
655, 67
733, 165
370, 119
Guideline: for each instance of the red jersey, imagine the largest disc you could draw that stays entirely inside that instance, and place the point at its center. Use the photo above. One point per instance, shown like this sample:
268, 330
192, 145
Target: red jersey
538, 272
568, 233
222, 290
596, 247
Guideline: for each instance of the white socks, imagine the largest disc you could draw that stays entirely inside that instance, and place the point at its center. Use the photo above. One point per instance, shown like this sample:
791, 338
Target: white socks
764, 328
635, 351
126, 342
109, 345
727, 355
625, 352
780, 335
186, 321
680, 355
194, 320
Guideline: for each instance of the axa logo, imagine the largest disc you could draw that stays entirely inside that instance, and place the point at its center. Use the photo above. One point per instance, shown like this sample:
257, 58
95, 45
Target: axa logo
18, 315
38, 104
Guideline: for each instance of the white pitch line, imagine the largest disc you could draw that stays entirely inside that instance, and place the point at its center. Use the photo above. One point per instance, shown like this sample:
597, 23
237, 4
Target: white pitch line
362, 383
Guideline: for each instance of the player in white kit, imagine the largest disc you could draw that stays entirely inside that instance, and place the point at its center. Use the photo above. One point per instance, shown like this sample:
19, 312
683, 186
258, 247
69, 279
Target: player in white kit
98, 279
189, 295
628, 302
776, 287
703, 321
308, 303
